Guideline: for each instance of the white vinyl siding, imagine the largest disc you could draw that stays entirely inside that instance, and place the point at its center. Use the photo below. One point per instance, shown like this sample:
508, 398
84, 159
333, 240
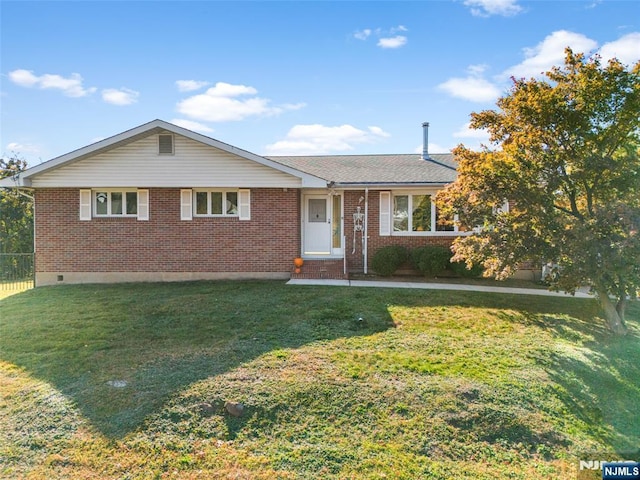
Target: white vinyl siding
138, 163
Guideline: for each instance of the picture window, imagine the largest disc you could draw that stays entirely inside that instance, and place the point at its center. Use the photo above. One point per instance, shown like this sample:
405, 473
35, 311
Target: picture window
416, 214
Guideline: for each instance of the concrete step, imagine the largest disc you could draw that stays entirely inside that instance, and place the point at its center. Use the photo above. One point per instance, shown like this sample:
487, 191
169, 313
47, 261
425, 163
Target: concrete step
321, 270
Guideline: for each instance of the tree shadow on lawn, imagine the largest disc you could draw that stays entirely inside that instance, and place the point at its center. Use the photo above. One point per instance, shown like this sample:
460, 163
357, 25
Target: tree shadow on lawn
596, 374
160, 338
600, 387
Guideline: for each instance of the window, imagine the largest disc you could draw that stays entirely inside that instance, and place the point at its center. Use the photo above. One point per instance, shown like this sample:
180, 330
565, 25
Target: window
412, 214
210, 203
165, 144
446, 224
215, 203
113, 203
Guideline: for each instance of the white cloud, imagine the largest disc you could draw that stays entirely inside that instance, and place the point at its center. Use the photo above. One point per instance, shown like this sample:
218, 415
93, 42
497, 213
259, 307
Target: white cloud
378, 131
474, 139
467, 132
223, 89
212, 108
363, 34
190, 85
392, 42
218, 104
433, 148
191, 125
472, 87
23, 148
478, 69
550, 53
292, 106
399, 28
71, 86
122, 96
24, 78
320, 139
486, 8
386, 38
626, 49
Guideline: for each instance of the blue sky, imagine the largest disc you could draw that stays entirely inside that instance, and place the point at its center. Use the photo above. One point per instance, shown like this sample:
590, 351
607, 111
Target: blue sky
283, 78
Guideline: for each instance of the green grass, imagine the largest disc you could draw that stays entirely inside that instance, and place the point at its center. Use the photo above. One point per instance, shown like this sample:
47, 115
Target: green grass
429, 384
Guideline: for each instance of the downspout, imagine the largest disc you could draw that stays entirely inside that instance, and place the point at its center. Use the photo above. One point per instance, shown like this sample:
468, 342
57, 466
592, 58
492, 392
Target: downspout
25, 194
365, 235
344, 256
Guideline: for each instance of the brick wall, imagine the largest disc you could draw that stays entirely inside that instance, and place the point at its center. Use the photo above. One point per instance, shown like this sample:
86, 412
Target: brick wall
375, 241
266, 243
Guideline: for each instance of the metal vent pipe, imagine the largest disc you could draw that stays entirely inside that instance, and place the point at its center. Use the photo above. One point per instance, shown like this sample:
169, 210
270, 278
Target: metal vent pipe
425, 141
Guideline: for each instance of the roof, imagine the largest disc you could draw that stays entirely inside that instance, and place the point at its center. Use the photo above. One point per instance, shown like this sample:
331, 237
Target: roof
375, 170
155, 126
314, 171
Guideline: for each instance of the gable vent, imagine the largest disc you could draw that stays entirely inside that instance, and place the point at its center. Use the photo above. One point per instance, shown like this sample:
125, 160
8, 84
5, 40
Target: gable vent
165, 144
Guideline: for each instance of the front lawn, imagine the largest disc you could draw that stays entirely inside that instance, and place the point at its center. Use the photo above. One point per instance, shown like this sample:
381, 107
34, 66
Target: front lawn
129, 381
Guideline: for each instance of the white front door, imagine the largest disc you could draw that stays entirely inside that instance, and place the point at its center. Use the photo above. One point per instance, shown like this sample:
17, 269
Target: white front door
317, 225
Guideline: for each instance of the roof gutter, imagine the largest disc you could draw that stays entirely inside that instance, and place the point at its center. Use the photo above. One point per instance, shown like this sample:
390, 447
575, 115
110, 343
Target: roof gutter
15, 181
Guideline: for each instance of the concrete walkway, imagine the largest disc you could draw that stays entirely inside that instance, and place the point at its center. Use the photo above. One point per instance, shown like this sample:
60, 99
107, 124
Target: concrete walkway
439, 286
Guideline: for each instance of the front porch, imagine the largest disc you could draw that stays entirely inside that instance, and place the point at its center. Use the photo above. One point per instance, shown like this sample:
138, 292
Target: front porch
332, 234
321, 269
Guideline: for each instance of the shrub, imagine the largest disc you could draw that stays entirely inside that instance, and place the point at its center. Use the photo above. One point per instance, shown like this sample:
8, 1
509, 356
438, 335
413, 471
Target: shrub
386, 260
431, 260
460, 270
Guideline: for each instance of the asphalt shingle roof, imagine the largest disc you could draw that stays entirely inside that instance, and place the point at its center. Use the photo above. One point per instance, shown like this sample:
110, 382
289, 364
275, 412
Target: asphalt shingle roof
375, 169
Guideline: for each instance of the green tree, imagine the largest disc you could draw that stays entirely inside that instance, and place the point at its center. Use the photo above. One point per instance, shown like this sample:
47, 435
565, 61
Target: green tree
16, 211
566, 156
